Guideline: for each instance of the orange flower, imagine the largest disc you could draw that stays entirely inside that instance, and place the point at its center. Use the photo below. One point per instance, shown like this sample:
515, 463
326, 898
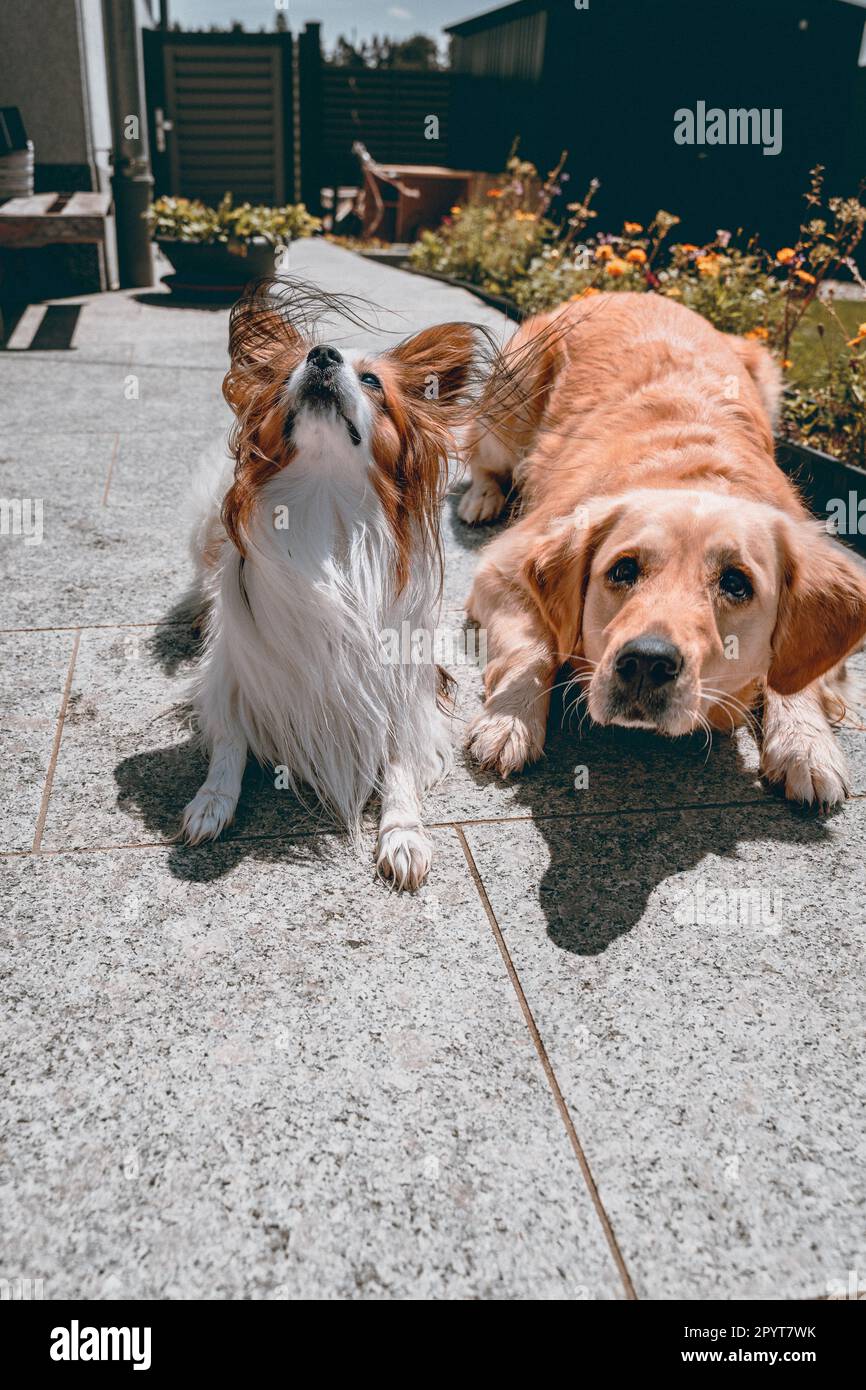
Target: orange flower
709, 265
806, 278
616, 266
456, 210
603, 253
860, 338
761, 333
688, 246
494, 192
786, 255
632, 227
786, 362
584, 294
636, 256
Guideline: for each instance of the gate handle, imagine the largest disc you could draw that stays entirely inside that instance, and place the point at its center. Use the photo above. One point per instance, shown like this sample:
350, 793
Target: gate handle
161, 126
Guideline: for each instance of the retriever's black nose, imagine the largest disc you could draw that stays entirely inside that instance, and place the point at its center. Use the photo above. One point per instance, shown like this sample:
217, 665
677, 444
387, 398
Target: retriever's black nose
646, 663
323, 357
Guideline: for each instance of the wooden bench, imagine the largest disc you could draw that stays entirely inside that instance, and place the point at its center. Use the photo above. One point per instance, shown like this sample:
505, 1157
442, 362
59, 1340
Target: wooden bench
28, 227
46, 218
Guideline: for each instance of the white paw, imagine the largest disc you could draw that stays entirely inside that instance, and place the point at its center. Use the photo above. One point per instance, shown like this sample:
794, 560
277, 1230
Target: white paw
207, 815
815, 775
504, 742
483, 502
403, 856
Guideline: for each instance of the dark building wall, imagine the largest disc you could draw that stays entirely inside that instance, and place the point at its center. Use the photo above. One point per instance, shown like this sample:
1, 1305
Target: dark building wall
614, 75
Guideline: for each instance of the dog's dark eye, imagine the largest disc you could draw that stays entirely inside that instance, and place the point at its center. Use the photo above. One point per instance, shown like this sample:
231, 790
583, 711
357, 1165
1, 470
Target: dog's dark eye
625, 571
371, 379
734, 584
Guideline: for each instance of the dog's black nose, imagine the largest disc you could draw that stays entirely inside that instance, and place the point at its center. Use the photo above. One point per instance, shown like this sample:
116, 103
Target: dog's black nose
646, 663
323, 357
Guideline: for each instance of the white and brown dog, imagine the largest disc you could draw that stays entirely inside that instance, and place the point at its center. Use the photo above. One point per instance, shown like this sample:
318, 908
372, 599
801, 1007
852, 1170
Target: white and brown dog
328, 536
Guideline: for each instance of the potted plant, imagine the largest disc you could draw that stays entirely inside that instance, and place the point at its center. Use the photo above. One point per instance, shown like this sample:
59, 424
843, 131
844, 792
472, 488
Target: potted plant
224, 247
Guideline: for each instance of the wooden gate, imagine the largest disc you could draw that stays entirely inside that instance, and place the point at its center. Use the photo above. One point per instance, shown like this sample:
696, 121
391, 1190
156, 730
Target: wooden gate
220, 115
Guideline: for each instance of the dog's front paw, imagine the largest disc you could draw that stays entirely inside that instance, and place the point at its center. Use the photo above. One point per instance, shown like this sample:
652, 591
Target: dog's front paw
482, 502
403, 856
504, 742
207, 816
815, 775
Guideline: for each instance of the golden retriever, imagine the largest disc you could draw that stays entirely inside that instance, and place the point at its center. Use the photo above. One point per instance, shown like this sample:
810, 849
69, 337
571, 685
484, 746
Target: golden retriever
660, 550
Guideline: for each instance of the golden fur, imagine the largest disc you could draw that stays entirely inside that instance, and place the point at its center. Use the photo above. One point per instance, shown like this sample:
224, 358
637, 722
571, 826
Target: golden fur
642, 444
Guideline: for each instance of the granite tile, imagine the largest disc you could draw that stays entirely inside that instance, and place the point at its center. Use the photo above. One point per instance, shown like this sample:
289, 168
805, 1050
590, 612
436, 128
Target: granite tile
698, 981
73, 397
293, 1085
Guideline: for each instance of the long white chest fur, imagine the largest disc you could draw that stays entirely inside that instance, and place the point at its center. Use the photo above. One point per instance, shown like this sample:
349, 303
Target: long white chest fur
294, 655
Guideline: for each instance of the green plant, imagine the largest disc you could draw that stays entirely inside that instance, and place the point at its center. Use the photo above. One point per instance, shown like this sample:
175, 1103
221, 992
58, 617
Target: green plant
185, 219
828, 409
493, 241
509, 243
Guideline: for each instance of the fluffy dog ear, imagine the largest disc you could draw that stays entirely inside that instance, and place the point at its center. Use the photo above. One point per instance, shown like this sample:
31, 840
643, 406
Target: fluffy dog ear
440, 364
556, 573
258, 335
822, 608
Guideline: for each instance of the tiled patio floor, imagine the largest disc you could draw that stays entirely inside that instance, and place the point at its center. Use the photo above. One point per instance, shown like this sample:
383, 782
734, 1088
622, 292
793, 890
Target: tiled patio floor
249, 1071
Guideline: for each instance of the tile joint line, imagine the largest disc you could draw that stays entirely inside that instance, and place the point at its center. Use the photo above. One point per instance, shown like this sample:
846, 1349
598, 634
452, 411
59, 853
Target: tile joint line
547, 1066
114, 451
55, 748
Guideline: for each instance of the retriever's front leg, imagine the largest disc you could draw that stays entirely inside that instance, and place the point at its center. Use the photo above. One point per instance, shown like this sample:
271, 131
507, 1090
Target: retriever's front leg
510, 730
799, 750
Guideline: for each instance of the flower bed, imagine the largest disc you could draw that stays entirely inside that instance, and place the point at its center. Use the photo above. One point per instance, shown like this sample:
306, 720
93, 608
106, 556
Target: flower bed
509, 245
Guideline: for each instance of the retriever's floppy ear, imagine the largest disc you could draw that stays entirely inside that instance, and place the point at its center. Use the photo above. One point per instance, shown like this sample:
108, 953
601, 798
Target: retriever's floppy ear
556, 572
822, 608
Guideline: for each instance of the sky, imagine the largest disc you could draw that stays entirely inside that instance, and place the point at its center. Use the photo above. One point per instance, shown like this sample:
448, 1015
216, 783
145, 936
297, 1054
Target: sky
397, 18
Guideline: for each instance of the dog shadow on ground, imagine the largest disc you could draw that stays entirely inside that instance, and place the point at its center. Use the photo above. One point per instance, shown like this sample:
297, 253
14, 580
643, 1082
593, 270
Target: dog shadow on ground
650, 809
622, 811
156, 784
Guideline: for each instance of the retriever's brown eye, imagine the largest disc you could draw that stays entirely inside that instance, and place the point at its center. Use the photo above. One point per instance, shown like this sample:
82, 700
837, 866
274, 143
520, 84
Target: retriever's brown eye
625, 571
735, 585
370, 379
